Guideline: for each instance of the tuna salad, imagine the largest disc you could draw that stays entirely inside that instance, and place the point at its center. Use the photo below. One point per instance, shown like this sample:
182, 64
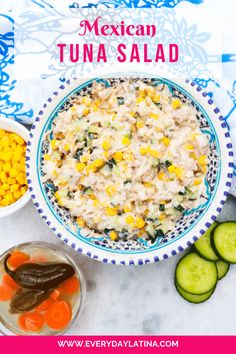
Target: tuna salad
127, 159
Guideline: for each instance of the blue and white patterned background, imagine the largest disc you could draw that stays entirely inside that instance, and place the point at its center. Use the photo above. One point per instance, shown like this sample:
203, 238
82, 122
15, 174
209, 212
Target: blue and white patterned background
191, 41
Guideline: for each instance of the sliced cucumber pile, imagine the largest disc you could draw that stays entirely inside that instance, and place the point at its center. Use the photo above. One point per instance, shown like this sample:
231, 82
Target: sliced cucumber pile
203, 245
222, 269
223, 240
195, 275
198, 272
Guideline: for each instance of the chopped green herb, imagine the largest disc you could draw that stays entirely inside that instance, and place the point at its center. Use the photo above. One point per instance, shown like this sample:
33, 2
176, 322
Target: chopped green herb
90, 136
162, 207
111, 163
159, 233
127, 181
182, 193
180, 208
168, 163
78, 153
87, 190
120, 100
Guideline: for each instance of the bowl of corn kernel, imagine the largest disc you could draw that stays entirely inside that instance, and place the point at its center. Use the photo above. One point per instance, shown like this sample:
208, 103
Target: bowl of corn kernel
13, 184
128, 169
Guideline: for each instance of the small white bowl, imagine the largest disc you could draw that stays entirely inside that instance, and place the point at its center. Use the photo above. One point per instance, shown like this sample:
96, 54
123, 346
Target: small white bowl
14, 127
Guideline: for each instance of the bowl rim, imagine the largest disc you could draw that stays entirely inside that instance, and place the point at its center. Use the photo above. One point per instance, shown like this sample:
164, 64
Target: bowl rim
148, 256
13, 126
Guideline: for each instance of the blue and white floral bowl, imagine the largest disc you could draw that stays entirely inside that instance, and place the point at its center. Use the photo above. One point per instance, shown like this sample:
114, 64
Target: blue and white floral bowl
133, 252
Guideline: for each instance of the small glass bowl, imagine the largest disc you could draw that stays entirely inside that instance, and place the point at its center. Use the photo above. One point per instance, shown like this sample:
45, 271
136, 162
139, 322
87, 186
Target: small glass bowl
51, 252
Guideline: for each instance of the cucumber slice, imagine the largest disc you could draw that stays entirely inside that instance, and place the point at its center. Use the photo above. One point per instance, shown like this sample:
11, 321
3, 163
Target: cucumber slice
222, 269
203, 245
195, 275
223, 241
196, 299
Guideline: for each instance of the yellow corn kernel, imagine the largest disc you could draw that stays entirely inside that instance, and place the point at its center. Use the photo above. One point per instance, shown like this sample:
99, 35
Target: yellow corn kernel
7, 167
14, 187
129, 219
17, 156
80, 166
154, 116
86, 111
13, 173
98, 163
140, 99
2, 191
86, 100
106, 154
176, 103
127, 208
193, 156
80, 222
106, 145
5, 186
166, 141
132, 114
140, 223
5, 141
56, 195
19, 139
7, 156
171, 168
161, 176
143, 150
118, 156
17, 165
9, 197
21, 178
113, 235
202, 160
23, 190
162, 217
139, 124
141, 233
60, 202
11, 180
111, 211
197, 182
179, 171
3, 177
156, 98
84, 158
151, 92
17, 194
125, 140
73, 109
66, 147
47, 157
110, 190
95, 203
154, 153
189, 147
53, 143
147, 184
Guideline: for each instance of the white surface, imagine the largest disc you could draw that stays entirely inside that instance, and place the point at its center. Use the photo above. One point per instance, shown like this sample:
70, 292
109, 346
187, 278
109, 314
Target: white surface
134, 300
